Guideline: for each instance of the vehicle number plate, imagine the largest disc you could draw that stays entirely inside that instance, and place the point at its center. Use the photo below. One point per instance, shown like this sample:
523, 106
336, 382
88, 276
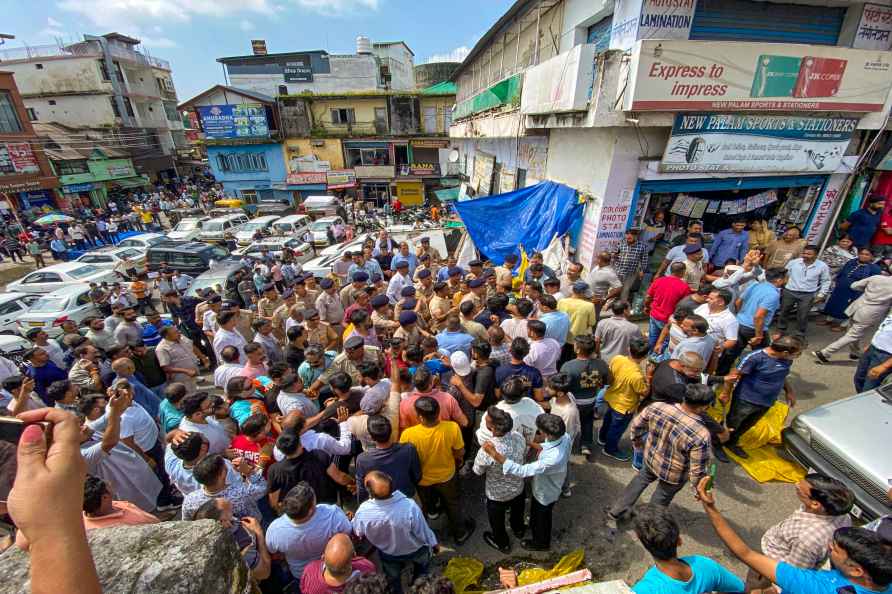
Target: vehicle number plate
36, 324
857, 511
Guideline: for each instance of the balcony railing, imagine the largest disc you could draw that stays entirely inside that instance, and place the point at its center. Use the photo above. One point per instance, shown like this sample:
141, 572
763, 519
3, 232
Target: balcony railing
39, 51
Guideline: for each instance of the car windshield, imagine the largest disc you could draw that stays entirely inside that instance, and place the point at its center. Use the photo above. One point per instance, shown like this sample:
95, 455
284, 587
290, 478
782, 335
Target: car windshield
213, 227
253, 226
49, 304
155, 240
283, 227
184, 226
320, 225
83, 271
208, 282
129, 253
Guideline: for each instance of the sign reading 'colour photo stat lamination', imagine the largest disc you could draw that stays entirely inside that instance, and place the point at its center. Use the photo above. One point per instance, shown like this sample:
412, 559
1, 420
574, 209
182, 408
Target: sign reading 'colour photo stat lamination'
671, 75
741, 143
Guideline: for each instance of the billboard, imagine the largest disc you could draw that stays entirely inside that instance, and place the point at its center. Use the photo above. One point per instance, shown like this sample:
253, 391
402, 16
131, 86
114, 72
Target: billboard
650, 19
243, 120
341, 179
726, 75
298, 69
17, 158
714, 142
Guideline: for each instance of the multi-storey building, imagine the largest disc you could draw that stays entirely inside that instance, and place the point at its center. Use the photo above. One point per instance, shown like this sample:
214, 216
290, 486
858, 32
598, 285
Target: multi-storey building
104, 82
699, 110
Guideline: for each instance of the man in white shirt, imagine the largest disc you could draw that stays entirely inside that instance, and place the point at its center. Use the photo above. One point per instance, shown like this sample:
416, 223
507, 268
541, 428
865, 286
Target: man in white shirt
399, 280
227, 335
198, 417
523, 410
230, 368
723, 324
808, 282
180, 458
41, 339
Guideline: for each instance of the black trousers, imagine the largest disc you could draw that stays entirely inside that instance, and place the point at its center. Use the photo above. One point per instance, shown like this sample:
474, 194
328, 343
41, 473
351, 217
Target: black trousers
741, 416
496, 511
447, 494
729, 356
540, 522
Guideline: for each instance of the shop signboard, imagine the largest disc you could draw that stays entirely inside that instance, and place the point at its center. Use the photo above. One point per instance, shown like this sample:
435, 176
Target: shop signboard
374, 171
650, 19
421, 169
874, 28
76, 188
298, 69
243, 120
410, 193
120, 171
824, 213
341, 179
715, 142
674, 75
614, 215
431, 143
305, 179
484, 166
17, 158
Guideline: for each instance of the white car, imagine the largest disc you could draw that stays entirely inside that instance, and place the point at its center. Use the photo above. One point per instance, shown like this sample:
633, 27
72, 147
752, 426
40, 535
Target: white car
13, 346
187, 229
274, 246
143, 241
245, 235
65, 274
50, 311
319, 229
13, 305
119, 259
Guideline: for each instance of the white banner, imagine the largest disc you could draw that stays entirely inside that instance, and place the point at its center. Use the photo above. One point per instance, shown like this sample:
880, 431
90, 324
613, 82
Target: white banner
874, 28
756, 143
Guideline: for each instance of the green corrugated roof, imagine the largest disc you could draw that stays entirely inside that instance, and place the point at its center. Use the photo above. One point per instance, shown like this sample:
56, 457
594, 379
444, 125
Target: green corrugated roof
441, 88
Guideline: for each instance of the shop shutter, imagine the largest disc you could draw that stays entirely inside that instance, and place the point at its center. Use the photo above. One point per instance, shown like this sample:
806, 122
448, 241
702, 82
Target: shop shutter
599, 34
745, 20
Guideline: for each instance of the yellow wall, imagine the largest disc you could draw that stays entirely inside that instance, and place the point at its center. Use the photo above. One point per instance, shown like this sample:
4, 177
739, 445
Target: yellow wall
443, 105
364, 112
330, 150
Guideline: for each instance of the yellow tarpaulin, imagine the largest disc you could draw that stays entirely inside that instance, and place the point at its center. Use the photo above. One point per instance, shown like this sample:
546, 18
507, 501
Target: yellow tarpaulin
464, 572
763, 463
568, 563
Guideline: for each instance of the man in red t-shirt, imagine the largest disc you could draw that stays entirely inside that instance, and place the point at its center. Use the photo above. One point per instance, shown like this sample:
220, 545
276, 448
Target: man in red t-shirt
338, 567
254, 443
882, 239
662, 297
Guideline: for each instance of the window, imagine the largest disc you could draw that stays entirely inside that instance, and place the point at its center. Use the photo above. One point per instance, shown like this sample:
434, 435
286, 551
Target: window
368, 156
103, 69
114, 105
343, 116
39, 66
9, 119
118, 72
128, 106
430, 120
51, 101
521, 180
32, 115
236, 162
9, 308
447, 119
83, 299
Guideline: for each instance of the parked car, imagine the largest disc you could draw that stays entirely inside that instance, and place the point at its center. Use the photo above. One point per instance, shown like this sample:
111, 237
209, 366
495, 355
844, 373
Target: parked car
218, 229
51, 310
225, 211
187, 229
189, 257
320, 205
223, 275
13, 347
245, 235
323, 264
844, 440
119, 259
274, 246
142, 241
293, 225
53, 277
280, 208
13, 305
319, 229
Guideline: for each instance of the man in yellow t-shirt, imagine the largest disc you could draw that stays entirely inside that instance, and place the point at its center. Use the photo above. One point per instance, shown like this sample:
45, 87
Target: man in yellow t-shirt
623, 396
440, 448
580, 310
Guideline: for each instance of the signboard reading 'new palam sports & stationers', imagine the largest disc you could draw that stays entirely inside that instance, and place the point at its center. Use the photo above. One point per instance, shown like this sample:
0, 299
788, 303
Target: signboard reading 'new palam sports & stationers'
713, 142
674, 75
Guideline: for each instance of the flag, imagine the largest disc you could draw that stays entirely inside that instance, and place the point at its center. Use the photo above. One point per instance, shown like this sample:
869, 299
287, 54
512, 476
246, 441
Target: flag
521, 269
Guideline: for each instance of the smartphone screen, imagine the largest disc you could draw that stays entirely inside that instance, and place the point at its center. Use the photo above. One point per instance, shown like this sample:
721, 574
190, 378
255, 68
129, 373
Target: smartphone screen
10, 432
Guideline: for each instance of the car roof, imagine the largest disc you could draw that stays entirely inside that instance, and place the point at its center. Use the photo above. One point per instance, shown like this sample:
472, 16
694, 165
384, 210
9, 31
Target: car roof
293, 218
62, 267
6, 297
265, 219
182, 246
144, 236
228, 217
222, 269
329, 219
69, 290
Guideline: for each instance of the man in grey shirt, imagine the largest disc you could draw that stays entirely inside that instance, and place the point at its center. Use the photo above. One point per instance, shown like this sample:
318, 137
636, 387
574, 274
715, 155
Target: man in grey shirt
604, 282
612, 335
128, 332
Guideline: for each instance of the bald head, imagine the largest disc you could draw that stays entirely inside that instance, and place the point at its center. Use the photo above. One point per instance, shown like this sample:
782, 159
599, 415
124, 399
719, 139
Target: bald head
338, 556
379, 484
123, 366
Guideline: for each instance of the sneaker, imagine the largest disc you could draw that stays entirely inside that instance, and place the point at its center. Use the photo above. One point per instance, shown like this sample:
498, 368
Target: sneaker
821, 357
586, 451
529, 545
470, 527
737, 451
489, 539
621, 456
165, 507
601, 443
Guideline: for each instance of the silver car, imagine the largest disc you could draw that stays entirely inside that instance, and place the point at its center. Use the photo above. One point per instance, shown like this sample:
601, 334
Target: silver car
850, 440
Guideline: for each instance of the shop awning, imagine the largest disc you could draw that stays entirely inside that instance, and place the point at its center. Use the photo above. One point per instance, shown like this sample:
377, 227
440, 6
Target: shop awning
129, 182
730, 183
447, 195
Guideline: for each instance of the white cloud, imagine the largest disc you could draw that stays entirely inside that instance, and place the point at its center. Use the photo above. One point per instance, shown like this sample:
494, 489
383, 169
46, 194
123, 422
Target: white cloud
126, 14
158, 42
50, 21
246, 26
456, 55
53, 29
338, 7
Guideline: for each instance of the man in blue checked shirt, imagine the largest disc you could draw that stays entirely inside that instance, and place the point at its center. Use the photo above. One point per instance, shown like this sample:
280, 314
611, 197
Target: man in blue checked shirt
630, 262
730, 244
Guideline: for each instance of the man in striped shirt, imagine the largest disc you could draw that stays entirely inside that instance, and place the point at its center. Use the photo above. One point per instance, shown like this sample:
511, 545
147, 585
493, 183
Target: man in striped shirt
675, 442
630, 262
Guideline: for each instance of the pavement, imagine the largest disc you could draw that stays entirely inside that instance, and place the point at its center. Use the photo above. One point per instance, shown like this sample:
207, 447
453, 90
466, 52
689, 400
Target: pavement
749, 506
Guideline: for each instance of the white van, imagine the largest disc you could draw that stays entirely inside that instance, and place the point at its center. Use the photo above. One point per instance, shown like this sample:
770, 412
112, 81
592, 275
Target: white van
292, 226
217, 229
245, 235
321, 205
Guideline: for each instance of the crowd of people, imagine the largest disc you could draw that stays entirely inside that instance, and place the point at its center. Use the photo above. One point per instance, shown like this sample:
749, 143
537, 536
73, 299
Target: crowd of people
329, 423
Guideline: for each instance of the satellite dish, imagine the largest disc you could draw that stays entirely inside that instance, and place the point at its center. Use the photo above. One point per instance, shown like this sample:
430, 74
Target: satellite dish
453, 156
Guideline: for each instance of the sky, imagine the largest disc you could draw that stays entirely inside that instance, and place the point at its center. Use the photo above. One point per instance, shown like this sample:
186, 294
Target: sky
192, 34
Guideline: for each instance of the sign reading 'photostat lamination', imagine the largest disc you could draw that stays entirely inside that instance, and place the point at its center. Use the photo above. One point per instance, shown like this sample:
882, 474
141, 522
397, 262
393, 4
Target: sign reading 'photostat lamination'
757, 143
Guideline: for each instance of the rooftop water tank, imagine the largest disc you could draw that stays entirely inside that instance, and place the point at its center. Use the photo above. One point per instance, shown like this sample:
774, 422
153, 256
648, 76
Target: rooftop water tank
363, 45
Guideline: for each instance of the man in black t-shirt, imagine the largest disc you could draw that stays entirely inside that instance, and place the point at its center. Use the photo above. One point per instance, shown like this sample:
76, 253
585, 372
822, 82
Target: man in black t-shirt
313, 466
588, 374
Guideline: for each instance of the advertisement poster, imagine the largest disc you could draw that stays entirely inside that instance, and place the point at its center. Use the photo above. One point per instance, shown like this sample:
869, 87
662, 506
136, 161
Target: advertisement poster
650, 19
341, 179
305, 179
824, 213
725, 75
612, 223
711, 142
23, 158
298, 69
874, 28
243, 120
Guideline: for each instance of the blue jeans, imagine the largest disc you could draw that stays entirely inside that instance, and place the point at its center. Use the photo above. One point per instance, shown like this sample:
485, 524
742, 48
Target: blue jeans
654, 327
871, 358
393, 566
613, 425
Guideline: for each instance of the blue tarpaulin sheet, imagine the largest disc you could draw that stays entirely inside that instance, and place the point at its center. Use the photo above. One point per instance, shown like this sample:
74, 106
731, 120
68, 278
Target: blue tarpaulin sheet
530, 217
